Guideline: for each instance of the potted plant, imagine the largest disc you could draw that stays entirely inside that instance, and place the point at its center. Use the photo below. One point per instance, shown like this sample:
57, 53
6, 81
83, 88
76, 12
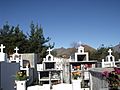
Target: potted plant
20, 76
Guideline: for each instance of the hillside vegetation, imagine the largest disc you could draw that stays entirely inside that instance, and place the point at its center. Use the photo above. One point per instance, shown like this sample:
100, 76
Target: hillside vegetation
94, 54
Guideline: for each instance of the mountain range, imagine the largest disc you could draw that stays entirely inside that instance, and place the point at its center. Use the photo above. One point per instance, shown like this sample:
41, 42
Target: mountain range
67, 52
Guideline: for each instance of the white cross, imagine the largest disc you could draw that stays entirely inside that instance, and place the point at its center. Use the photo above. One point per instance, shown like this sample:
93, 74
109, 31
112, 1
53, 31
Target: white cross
110, 51
2, 47
49, 50
16, 49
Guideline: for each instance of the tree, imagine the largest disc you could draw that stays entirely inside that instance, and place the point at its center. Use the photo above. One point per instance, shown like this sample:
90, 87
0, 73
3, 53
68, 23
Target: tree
38, 41
12, 37
102, 52
75, 44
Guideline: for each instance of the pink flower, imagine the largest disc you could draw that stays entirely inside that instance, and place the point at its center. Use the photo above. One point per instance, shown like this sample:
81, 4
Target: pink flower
117, 70
105, 73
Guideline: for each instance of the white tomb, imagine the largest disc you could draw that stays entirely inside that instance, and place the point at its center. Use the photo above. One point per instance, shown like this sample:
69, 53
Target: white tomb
109, 61
3, 56
81, 55
48, 62
79, 69
17, 58
49, 71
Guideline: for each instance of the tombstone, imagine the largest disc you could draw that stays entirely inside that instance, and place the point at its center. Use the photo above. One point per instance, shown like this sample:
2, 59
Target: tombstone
81, 55
3, 56
16, 57
49, 62
79, 69
109, 61
50, 73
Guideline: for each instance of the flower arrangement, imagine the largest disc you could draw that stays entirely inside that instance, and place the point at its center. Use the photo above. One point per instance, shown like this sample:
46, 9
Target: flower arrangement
76, 67
21, 76
113, 78
76, 75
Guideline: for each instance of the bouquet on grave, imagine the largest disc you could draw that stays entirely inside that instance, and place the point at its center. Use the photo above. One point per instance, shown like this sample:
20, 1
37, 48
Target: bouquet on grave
76, 75
21, 76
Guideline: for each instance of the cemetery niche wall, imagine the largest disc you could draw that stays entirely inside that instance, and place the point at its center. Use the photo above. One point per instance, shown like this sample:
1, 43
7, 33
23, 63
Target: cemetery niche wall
79, 72
79, 69
50, 71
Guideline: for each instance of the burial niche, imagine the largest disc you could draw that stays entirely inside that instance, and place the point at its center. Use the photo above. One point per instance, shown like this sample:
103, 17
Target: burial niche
81, 57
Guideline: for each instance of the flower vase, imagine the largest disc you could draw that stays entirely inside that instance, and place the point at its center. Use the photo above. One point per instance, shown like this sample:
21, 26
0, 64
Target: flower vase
20, 85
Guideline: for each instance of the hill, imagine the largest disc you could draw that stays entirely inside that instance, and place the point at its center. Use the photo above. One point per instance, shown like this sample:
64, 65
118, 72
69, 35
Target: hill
117, 48
67, 52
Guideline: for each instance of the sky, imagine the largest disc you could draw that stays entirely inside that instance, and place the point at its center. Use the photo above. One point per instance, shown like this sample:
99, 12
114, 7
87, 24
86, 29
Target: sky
92, 22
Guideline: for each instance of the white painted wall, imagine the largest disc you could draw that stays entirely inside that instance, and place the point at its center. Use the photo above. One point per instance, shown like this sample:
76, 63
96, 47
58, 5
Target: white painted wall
32, 58
37, 87
76, 84
62, 87
3, 57
55, 87
21, 85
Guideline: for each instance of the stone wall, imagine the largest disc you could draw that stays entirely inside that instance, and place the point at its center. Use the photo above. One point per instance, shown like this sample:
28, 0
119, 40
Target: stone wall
97, 81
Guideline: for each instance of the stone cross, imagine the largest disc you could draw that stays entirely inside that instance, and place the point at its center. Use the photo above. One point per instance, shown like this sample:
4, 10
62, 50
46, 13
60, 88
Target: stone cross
16, 49
110, 51
2, 47
49, 50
